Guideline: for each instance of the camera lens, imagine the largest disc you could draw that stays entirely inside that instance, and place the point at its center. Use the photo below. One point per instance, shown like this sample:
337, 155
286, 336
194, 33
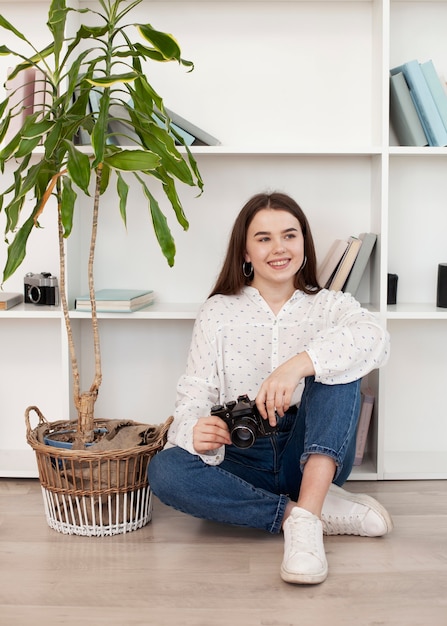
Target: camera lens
34, 294
243, 435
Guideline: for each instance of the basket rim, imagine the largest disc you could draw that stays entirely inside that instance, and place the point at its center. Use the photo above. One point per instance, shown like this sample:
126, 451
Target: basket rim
90, 453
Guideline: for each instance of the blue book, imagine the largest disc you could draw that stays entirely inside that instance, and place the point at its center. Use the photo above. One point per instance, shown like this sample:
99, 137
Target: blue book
116, 300
423, 101
436, 88
403, 115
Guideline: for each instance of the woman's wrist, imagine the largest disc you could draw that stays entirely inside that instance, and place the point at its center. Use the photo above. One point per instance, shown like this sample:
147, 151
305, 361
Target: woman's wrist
304, 365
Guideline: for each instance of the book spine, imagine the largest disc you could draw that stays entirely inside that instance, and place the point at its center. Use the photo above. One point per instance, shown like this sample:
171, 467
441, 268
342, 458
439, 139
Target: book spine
436, 89
361, 262
404, 117
363, 425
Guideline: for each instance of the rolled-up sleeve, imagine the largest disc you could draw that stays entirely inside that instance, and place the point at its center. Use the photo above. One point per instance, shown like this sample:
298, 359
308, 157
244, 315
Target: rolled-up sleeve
351, 344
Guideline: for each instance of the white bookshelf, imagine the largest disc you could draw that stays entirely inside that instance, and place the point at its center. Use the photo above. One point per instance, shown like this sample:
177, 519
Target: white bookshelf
299, 100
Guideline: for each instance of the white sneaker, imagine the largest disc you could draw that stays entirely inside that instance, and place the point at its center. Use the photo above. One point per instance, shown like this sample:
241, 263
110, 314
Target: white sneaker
304, 557
346, 513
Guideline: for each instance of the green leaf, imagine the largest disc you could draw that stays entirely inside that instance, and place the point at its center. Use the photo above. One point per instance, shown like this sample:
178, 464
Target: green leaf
5, 51
163, 42
3, 106
78, 165
26, 146
161, 228
105, 178
36, 178
123, 190
53, 139
171, 192
133, 160
107, 81
68, 200
99, 132
37, 129
144, 93
149, 53
8, 26
57, 17
12, 211
17, 250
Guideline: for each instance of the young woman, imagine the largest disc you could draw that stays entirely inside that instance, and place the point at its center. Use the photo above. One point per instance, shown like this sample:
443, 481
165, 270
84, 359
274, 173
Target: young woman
270, 332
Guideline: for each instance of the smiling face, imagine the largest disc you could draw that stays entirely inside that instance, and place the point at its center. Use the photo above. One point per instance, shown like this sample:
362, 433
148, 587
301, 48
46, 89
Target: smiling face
275, 248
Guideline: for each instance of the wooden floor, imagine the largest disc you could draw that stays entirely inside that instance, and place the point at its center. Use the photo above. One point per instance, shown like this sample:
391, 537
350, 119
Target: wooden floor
182, 571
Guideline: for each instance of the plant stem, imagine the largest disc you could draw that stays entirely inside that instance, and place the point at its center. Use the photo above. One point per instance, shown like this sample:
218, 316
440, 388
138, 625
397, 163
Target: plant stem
96, 343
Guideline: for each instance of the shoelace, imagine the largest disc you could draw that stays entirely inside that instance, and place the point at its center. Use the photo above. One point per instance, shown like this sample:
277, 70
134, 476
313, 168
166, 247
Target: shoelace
303, 536
341, 525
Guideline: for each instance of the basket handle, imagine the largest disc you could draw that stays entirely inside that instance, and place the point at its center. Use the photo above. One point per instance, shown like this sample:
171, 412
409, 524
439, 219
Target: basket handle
162, 435
42, 418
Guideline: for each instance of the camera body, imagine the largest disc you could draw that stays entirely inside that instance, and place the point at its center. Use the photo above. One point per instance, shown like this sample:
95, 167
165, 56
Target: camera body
41, 289
244, 421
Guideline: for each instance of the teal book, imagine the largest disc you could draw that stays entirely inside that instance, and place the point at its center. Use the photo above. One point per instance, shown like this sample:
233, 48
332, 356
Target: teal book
116, 300
423, 101
437, 90
360, 263
403, 115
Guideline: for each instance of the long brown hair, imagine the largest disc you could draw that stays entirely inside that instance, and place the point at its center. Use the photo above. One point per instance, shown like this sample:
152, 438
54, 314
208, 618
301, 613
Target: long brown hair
231, 279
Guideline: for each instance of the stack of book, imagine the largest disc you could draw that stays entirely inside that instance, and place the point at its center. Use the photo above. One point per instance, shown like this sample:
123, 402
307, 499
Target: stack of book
345, 263
121, 133
116, 300
29, 93
418, 104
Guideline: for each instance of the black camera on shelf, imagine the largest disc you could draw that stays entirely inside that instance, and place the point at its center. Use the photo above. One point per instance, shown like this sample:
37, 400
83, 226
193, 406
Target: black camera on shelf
41, 288
244, 421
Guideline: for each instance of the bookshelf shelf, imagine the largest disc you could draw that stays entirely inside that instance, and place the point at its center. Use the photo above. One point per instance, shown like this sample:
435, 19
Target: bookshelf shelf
284, 151
307, 115
31, 311
416, 311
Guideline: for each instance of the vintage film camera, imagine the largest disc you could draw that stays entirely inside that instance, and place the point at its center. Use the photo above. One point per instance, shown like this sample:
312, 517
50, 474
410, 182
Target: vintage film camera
41, 288
244, 421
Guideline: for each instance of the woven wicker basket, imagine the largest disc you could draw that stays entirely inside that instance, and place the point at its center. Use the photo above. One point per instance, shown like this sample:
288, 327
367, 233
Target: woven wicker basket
94, 493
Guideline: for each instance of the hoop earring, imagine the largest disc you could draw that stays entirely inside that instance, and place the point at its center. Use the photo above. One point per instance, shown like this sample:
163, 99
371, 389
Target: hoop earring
247, 269
303, 263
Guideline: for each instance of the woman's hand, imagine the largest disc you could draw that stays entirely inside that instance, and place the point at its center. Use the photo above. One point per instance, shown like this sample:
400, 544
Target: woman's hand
275, 394
210, 433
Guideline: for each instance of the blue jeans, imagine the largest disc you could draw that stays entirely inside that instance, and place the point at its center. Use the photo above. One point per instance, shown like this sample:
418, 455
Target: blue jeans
252, 486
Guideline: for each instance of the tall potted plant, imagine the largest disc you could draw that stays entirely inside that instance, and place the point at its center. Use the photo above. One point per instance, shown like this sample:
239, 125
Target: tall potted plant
101, 59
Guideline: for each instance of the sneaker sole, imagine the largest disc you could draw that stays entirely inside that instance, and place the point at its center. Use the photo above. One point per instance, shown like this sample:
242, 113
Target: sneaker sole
368, 501
303, 579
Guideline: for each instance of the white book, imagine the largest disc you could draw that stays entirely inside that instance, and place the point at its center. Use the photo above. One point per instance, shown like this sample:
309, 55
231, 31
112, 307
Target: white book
342, 273
331, 261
